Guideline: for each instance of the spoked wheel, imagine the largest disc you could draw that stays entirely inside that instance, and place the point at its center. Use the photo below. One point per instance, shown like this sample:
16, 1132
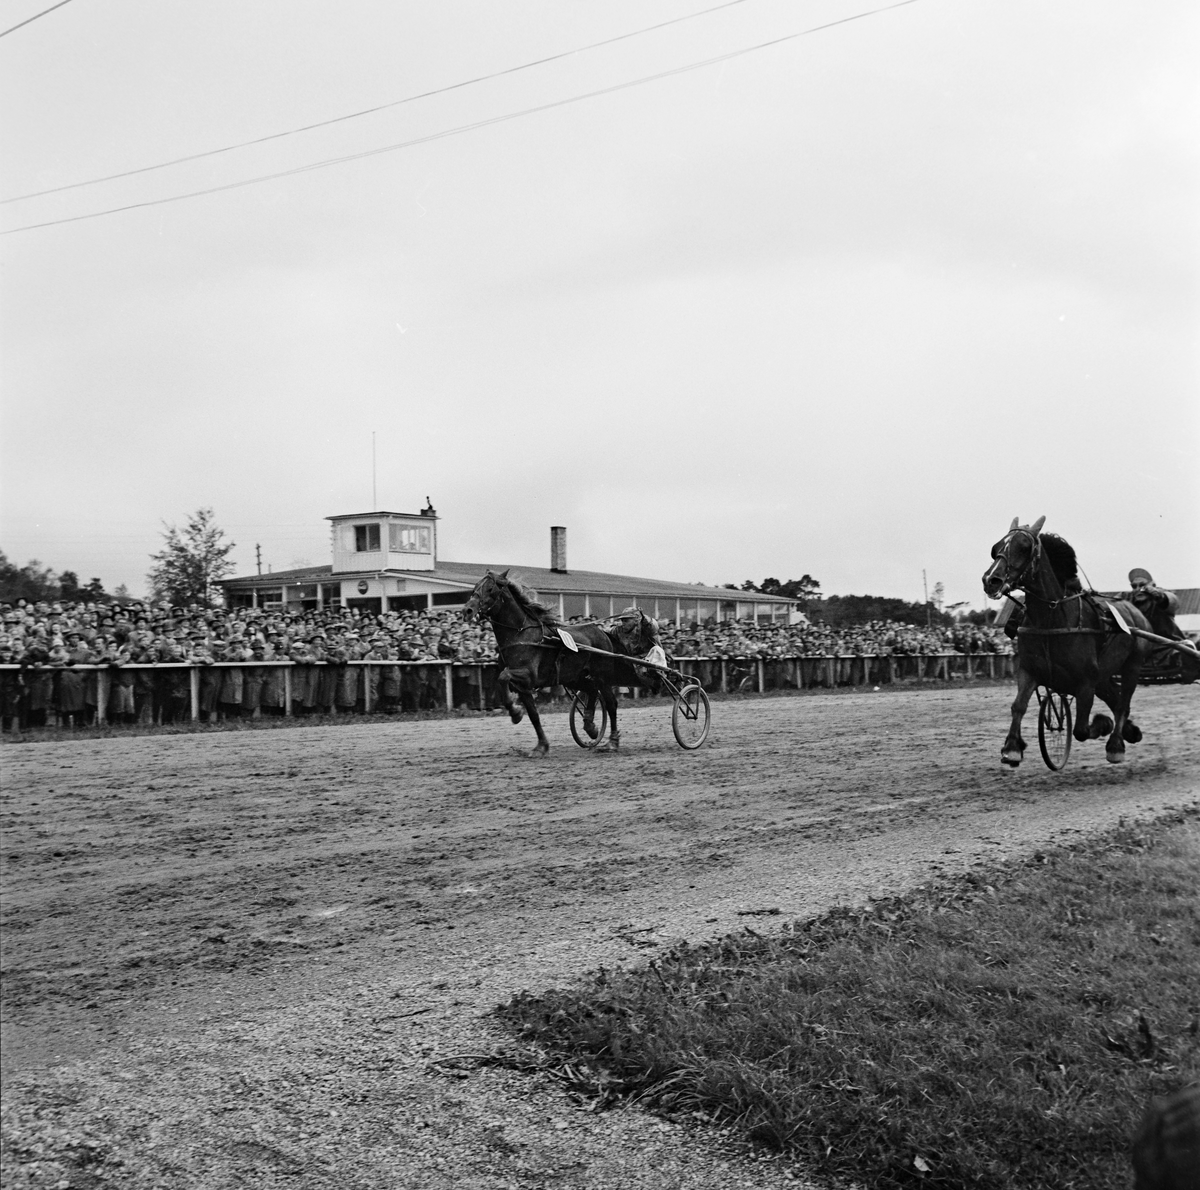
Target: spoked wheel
1054, 728
578, 707
691, 717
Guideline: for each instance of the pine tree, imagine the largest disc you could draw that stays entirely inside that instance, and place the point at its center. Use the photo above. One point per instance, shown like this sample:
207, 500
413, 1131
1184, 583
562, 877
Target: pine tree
192, 562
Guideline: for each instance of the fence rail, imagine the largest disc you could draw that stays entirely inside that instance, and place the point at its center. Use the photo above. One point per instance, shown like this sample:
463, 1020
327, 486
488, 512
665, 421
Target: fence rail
157, 693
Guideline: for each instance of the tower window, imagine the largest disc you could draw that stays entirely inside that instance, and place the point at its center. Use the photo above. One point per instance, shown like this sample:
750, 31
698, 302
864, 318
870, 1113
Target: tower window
366, 538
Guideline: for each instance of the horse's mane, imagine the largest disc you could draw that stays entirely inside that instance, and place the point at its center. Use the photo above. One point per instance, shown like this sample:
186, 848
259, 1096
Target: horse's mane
527, 599
1061, 555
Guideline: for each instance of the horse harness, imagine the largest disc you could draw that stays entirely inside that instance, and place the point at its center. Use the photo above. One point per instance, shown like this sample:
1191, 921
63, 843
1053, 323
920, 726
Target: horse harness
1075, 630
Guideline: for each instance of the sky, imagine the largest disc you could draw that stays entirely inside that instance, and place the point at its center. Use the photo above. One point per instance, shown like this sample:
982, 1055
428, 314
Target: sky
843, 305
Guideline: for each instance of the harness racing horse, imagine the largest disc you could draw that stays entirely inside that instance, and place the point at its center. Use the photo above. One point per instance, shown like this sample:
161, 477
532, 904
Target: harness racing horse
1069, 640
535, 656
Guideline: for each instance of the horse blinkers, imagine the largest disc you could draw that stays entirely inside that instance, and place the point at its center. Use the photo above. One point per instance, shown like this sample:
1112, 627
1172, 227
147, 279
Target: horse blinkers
1004, 574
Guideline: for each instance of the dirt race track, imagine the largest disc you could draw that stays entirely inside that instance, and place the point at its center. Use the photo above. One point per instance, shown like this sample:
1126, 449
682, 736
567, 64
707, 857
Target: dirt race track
241, 958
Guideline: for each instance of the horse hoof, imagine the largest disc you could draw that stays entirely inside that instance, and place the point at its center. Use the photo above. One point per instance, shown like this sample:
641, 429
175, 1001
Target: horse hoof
516, 716
1011, 760
1100, 725
589, 725
539, 751
1131, 733
1115, 757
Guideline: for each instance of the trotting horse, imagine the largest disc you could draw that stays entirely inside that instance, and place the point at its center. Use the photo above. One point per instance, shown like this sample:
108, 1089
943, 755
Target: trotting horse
535, 656
1069, 640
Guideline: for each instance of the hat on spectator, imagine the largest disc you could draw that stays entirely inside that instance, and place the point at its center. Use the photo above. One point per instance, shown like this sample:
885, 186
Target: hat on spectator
1138, 573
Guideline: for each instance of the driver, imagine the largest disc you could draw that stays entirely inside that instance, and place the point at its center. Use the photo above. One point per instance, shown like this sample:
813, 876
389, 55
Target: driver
637, 631
1158, 606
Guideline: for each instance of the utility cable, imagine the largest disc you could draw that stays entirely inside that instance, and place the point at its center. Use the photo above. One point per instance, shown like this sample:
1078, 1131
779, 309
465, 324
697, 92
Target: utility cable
461, 128
29, 20
370, 111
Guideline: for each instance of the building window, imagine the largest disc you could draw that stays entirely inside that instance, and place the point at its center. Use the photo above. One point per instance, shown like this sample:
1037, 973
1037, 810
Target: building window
331, 594
574, 606
407, 539
450, 598
407, 603
366, 539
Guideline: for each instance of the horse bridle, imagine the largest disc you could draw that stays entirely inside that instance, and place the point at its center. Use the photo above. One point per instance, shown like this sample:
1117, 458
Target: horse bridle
1035, 553
528, 622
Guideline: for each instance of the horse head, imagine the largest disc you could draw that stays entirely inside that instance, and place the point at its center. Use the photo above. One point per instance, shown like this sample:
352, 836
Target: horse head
484, 596
1013, 557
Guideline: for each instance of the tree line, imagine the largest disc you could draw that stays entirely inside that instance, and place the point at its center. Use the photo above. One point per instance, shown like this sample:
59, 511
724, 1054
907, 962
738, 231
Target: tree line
188, 569
844, 610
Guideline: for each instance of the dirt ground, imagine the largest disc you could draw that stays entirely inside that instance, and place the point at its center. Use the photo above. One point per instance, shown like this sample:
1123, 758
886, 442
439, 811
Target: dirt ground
250, 958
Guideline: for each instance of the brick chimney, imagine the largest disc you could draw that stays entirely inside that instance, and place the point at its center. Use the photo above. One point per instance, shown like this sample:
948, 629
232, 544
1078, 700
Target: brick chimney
558, 549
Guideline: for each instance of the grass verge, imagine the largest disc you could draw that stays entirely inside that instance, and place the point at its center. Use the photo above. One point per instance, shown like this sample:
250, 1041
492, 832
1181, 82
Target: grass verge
1002, 1030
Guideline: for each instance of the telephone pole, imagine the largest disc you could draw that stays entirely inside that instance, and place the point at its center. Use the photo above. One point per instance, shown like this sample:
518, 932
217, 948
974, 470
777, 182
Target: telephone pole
928, 613
258, 557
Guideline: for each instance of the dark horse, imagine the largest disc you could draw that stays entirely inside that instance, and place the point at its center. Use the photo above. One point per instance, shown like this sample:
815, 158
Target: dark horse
535, 656
1069, 641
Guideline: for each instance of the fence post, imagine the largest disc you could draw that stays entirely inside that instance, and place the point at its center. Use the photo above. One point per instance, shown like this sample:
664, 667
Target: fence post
761, 676
482, 700
367, 687
287, 690
194, 692
449, 685
102, 683
724, 678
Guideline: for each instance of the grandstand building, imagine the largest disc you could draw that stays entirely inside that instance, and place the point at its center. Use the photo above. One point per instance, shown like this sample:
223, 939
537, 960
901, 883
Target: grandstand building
389, 561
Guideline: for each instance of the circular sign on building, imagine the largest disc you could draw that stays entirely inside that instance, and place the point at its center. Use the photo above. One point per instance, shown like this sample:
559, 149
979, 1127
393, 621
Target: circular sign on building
363, 586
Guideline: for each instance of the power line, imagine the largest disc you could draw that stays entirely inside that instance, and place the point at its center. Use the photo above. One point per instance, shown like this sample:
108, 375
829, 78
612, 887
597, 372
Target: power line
29, 20
370, 111
461, 128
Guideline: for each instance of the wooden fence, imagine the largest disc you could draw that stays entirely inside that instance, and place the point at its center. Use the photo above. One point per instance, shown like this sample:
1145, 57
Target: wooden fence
427, 685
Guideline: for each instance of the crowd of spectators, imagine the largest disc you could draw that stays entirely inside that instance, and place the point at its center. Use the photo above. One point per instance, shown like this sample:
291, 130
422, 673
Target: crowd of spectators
877, 638
56, 647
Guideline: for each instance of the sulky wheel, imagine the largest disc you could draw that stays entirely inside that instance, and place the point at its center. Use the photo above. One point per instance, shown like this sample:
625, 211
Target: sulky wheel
578, 707
1054, 728
691, 717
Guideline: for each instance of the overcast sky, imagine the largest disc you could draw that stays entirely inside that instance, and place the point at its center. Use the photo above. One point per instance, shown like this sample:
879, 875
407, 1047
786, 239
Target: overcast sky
844, 305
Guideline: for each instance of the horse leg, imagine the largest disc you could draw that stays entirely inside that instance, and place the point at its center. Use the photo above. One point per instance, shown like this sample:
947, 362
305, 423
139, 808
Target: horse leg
504, 687
589, 714
610, 704
1114, 749
1085, 727
1013, 748
529, 701
1110, 691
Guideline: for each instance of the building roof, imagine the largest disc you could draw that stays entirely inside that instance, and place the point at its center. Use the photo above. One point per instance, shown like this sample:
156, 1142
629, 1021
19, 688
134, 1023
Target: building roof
1189, 598
357, 516
543, 580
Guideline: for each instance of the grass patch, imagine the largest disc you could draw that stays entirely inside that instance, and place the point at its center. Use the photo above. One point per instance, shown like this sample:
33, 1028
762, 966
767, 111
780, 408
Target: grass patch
996, 1031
